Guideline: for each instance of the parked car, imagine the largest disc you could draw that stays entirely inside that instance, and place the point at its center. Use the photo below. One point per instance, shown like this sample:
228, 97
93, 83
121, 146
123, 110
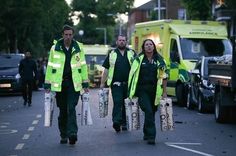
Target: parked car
200, 91
9, 75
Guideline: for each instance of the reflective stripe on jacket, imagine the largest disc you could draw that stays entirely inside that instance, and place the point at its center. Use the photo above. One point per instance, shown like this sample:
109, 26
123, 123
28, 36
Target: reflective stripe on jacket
55, 67
134, 76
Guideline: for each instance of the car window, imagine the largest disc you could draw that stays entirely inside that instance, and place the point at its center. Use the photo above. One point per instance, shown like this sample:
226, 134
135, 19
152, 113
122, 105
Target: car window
10, 61
98, 59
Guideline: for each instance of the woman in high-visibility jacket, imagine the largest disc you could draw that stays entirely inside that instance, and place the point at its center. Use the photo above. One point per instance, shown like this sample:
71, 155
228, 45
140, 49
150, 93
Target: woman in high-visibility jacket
147, 81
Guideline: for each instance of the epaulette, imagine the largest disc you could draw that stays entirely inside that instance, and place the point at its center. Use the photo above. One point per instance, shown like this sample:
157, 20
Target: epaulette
76, 46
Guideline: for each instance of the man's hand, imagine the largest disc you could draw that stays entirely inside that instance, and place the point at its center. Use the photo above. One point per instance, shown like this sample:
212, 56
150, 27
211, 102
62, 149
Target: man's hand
86, 90
104, 78
164, 95
47, 90
102, 85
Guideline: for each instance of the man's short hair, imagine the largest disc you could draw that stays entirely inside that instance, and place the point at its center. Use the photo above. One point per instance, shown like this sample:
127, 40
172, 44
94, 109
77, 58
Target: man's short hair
121, 35
67, 27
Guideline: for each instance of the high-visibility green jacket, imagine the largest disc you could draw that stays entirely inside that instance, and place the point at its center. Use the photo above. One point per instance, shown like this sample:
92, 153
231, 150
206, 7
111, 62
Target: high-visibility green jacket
112, 61
134, 76
55, 67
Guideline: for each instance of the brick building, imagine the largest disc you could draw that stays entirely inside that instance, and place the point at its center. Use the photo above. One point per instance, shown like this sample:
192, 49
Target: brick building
167, 9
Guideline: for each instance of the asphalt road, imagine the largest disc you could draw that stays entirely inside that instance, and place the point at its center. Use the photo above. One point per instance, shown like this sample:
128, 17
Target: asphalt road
22, 133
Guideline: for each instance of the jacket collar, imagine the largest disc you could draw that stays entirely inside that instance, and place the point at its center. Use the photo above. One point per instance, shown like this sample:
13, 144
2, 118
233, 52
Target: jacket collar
60, 44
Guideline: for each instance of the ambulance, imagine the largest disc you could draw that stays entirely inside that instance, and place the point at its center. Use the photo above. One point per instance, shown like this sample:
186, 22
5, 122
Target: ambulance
95, 55
182, 43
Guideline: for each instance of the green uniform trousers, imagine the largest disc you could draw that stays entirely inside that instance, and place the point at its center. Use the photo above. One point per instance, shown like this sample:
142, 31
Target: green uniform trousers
119, 93
67, 100
146, 98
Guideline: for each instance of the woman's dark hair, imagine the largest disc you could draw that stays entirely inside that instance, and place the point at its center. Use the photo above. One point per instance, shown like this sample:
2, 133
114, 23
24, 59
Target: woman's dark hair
154, 50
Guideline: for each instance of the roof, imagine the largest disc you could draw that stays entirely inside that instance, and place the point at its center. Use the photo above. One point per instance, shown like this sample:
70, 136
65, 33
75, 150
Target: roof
190, 29
147, 6
95, 49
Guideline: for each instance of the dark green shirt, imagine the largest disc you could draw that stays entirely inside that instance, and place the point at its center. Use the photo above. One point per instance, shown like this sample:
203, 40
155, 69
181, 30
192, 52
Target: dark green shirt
68, 53
67, 67
122, 67
148, 72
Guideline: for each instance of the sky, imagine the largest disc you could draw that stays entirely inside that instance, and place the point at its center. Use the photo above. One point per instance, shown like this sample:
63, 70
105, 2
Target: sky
137, 3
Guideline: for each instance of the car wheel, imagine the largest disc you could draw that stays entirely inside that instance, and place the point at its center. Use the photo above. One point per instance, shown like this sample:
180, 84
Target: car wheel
221, 114
201, 106
189, 99
180, 95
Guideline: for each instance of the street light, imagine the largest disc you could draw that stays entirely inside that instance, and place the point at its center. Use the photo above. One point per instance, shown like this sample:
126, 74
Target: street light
105, 34
81, 33
119, 19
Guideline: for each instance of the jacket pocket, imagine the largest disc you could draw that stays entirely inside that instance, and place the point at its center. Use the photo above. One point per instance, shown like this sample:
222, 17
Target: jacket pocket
54, 71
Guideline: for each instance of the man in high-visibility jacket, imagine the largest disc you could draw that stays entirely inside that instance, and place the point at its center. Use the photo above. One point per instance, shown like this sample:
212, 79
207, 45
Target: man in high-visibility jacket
67, 75
147, 81
117, 65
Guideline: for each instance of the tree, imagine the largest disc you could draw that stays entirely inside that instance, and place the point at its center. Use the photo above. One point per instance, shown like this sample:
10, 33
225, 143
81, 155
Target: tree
56, 14
231, 4
198, 10
99, 13
31, 25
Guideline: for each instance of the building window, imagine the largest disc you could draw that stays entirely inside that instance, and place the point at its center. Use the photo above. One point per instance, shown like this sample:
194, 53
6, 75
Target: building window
182, 14
163, 3
148, 13
163, 14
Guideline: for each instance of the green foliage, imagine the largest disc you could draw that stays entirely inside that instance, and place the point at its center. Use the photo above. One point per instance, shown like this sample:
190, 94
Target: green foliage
231, 4
198, 10
31, 24
153, 15
99, 13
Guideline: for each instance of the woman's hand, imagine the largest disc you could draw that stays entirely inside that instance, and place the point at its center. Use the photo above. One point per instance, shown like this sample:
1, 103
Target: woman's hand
164, 95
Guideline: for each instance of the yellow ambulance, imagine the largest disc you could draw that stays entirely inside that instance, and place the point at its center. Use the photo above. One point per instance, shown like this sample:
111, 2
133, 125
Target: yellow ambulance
95, 55
182, 43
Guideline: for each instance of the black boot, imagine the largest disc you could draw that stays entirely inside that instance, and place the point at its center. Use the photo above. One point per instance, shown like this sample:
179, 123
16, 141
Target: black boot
63, 141
29, 103
72, 139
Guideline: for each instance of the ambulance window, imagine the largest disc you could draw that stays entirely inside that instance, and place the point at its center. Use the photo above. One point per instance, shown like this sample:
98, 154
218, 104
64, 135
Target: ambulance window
174, 55
195, 48
213, 47
97, 59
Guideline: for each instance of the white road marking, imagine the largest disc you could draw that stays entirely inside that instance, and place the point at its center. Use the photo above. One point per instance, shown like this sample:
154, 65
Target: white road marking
19, 146
38, 116
8, 131
26, 136
175, 145
3, 126
30, 128
35, 122
184, 143
5, 123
